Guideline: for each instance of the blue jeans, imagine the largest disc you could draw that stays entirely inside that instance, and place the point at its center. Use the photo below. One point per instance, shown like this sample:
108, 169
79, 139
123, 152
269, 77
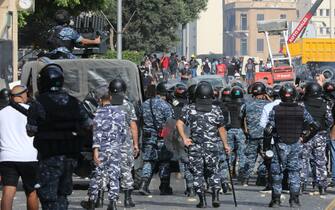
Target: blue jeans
194, 72
332, 158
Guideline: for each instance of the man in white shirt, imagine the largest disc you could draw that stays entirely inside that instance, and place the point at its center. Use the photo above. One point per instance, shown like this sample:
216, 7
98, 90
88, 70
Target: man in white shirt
267, 108
18, 157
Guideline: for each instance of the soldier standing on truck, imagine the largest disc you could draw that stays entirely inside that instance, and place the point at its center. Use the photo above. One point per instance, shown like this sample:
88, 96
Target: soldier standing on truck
63, 38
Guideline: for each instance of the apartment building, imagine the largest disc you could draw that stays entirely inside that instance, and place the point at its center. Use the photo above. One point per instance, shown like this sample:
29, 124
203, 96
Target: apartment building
241, 36
323, 19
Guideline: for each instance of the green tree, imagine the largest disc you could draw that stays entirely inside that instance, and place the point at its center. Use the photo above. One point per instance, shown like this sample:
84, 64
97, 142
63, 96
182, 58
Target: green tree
152, 26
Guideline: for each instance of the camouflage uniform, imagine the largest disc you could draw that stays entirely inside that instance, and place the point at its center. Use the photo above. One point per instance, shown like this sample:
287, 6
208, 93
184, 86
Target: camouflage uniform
109, 134
287, 156
153, 147
127, 158
316, 148
67, 33
253, 113
54, 172
204, 153
237, 141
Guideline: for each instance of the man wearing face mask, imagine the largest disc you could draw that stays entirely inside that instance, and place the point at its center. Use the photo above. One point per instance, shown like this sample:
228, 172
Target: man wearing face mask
18, 157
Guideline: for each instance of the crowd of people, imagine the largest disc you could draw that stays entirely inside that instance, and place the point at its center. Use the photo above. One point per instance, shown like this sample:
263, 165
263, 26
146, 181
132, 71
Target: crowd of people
161, 69
288, 128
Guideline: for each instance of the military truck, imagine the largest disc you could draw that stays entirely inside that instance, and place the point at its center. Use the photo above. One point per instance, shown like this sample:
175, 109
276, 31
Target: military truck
81, 78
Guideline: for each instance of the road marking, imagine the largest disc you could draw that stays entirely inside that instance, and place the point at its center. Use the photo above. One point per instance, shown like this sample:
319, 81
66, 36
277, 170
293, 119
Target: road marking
331, 206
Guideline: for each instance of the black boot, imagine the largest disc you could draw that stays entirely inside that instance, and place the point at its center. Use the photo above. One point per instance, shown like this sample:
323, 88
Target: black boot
165, 187
144, 188
202, 200
322, 190
275, 201
100, 201
226, 188
89, 205
261, 181
215, 198
112, 205
294, 200
128, 201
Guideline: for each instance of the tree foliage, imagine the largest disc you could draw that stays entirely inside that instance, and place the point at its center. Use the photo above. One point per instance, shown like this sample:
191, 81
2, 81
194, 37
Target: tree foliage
152, 27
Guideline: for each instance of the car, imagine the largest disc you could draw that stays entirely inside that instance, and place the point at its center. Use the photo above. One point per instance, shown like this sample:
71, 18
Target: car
215, 80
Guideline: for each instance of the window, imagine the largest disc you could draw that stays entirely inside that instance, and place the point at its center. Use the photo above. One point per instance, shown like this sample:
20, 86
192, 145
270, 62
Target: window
260, 16
321, 12
321, 30
244, 22
327, 12
328, 30
283, 16
282, 43
244, 46
260, 45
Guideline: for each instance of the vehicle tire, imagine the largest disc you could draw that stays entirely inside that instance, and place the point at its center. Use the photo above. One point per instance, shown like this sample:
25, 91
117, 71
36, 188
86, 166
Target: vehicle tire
328, 72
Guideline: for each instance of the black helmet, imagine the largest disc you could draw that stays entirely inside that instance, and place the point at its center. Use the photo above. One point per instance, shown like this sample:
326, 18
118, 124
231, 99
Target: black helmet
225, 95
180, 91
191, 93
249, 90
117, 86
204, 90
62, 17
50, 78
275, 92
161, 88
313, 90
329, 87
288, 93
269, 91
258, 88
4, 98
236, 93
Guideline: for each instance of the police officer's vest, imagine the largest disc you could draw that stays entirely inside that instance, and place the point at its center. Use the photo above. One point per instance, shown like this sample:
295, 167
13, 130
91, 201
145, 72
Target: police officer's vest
58, 133
234, 109
289, 119
317, 108
56, 40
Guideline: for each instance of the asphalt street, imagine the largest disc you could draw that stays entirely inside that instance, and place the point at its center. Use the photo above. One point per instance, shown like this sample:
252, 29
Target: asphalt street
248, 198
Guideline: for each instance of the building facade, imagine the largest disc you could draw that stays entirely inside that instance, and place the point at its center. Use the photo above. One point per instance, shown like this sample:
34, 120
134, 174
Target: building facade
323, 19
241, 36
205, 35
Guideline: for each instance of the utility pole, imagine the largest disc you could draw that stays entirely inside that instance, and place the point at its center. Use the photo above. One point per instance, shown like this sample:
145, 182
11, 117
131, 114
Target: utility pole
119, 29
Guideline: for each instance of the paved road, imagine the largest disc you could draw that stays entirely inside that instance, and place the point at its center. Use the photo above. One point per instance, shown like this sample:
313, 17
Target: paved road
249, 198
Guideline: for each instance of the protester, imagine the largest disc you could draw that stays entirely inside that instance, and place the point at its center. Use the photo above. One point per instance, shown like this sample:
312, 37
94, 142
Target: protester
18, 157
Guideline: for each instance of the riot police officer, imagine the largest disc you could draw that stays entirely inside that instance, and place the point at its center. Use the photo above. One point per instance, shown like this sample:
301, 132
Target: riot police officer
286, 122
4, 98
155, 113
316, 147
129, 149
57, 136
207, 131
253, 129
236, 137
63, 38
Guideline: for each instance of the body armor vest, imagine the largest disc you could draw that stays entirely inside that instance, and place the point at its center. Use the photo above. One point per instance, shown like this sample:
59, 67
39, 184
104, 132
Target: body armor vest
55, 40
317, 108
234, 109
289, 119
58, 132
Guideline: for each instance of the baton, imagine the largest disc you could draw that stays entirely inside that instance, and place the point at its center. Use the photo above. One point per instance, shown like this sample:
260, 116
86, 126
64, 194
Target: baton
231, 179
